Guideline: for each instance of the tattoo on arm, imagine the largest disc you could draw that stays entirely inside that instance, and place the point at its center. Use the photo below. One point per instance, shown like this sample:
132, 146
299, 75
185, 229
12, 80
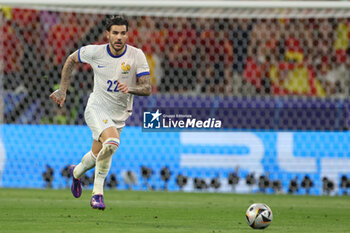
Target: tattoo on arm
67, 70
143, 86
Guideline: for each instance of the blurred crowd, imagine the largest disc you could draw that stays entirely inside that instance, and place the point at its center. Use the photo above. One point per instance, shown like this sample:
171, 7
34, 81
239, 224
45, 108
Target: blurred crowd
197, 56
191, 55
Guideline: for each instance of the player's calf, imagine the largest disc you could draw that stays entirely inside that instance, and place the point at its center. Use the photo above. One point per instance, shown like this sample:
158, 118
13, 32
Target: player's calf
103, 164
87, 162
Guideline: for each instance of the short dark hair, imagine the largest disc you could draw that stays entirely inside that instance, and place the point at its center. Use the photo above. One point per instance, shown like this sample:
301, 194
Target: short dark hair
117, 20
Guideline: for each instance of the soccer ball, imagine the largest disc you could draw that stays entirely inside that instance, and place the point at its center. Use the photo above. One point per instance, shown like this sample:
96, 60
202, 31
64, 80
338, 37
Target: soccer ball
259, 216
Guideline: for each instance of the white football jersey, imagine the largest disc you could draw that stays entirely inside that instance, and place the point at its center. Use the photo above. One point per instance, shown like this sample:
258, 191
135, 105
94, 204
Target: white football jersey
108, 71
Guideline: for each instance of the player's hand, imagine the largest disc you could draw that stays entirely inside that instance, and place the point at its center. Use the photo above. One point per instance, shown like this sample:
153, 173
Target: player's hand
59, 97
123, 88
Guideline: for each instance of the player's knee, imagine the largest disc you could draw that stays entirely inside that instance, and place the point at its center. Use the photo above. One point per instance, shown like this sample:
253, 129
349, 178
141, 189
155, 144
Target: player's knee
111, 144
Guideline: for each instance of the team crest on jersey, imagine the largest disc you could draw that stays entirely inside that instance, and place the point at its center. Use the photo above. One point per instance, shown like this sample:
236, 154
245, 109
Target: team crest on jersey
105, 121
126, 68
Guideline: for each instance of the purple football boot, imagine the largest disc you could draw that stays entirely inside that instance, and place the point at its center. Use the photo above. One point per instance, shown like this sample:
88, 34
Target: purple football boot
76, 184
97, 202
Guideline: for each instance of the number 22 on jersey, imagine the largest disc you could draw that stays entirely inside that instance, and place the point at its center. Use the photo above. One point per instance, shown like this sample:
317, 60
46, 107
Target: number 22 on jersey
112, 86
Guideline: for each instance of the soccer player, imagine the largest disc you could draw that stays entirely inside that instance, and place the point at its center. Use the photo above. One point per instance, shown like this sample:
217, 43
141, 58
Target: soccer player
120, 72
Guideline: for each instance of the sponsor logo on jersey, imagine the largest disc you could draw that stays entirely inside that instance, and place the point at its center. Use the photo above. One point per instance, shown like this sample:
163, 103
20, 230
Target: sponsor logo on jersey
126, 68
105, 121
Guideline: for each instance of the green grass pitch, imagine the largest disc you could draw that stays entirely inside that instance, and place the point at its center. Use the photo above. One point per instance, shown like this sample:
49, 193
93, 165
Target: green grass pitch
57, 211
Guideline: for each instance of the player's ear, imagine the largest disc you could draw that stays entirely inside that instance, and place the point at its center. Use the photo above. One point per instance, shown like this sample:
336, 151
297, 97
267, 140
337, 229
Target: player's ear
107, 34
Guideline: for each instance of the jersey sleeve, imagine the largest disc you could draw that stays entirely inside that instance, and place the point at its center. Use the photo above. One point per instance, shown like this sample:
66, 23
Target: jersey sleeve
142, 67
85, 54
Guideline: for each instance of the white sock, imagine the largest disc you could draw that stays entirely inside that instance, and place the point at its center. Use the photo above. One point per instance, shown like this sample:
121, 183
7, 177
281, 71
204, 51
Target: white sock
103, 164
87, 162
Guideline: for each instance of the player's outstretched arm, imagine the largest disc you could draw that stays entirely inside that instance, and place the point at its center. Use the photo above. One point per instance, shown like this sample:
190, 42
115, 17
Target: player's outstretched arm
59, 96
143, 87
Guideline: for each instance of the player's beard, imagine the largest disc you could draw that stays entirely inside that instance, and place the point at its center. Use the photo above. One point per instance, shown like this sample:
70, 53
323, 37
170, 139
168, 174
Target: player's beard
116, 49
